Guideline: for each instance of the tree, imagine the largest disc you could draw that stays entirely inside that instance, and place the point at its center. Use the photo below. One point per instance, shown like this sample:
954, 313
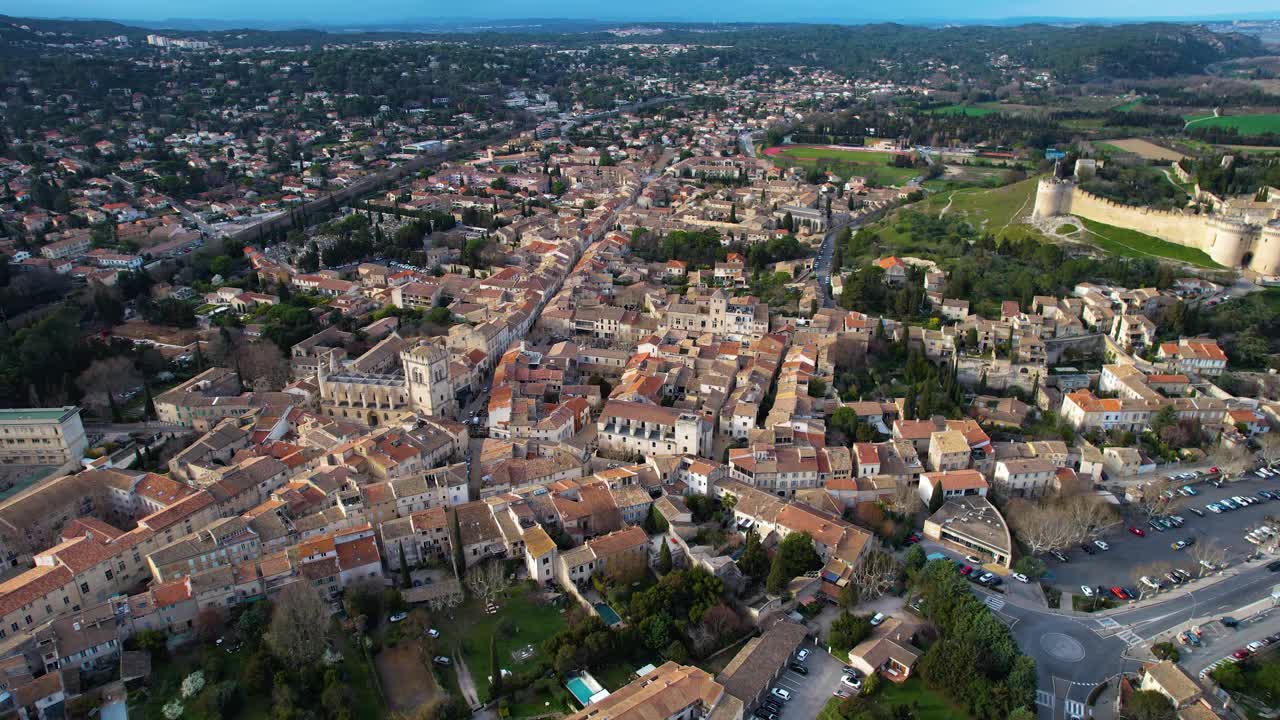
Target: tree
847, 630
936, 499
875, 574
754, 561
905, 499
795, 556
298, 622
105, 379
487, 579
495, 679
1148, 705
914, 560
1166, 651
455, 540
664, 559
1032, 567
778, 577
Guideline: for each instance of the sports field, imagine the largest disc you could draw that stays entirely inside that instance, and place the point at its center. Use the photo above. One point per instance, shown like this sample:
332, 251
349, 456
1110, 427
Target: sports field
1131, 243
1244, 124
846, 161
1145, 149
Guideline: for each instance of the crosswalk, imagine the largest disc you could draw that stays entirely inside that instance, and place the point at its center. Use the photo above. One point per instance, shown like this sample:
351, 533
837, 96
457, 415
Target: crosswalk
1129, 637
1108, 623
1044, 698
1073, 709
993, 602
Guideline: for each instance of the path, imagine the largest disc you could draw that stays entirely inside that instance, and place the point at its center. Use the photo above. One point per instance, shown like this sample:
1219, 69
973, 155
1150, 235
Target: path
465, 682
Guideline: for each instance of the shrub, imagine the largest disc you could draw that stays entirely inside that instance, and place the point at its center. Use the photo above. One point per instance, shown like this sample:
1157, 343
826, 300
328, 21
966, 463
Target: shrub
872, 684
193, 683
1166, 651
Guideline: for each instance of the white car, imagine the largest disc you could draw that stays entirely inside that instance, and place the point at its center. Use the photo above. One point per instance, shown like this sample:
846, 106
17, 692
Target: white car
1207, 565
1021, 578
433, 633
802, 655
877, 619
854, 683
1153, 584
398, 617
973, 559
781, 694
1102, 544
1086, 590
1213, 508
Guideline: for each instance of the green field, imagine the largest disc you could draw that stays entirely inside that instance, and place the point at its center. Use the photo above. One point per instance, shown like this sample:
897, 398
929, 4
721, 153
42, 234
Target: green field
970, 110
1244, 124
1131, 105
1131, 243
987, 209
523, 623
870, 164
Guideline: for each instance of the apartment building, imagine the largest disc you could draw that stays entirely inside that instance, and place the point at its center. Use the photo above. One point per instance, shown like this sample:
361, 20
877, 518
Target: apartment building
42, 436
644, 429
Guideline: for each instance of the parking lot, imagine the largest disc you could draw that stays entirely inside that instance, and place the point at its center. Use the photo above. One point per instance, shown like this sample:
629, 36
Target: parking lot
1218, 538
809, 693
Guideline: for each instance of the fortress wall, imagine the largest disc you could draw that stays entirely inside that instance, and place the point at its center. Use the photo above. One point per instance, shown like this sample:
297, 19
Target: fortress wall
1176, 227
1266, 252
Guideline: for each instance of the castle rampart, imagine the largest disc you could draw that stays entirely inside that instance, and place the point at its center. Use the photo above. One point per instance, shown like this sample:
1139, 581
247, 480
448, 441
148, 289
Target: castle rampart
1229, 242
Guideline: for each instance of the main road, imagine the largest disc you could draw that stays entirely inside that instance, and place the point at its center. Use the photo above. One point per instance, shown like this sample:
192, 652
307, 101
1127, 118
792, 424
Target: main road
1075, 652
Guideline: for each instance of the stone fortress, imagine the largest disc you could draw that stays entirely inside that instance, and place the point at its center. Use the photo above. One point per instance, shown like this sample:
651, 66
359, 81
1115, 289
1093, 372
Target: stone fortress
1240, 233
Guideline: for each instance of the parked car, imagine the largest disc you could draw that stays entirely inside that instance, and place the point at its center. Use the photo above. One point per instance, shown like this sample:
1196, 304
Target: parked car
803, 655
1088, 548
442, 661
851, 682
1240, 654
1189, 490
877, 619
781, 694
1119, 593
1214, 508
1059, 556
433, 633
842, 693
1102, 544
798, 668
973, 559
398, 617
1086, 590
1198, 512
1255, 646
966, 569
1020, 577
1178, 545
1150, 582
1230, 622
1138, 531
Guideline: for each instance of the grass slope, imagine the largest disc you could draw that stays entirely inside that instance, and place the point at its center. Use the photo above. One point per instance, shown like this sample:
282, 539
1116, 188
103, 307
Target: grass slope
870, 164
1131, 243
970, 110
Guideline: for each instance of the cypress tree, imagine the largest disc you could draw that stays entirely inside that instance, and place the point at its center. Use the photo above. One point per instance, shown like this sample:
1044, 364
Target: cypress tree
495, 685
935, 500
664, 559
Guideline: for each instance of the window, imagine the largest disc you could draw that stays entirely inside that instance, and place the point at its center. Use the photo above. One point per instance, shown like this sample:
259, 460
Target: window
84, 587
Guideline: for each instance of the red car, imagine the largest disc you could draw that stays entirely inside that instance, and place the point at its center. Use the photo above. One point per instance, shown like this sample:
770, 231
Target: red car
1119, 593
1240, 654
966, 569
1138, 531
1214, 470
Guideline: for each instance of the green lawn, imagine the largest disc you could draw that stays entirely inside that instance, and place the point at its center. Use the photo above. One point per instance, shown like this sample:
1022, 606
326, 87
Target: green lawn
927, 704
524, 623
987, 209
1131, 243
1244, 124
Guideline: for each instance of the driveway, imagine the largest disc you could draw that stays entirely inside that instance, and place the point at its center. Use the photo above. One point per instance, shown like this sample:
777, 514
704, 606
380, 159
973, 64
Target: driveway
809, 693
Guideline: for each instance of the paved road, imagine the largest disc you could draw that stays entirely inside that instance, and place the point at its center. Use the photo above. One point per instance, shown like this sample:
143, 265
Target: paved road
1074, 652
748, 144
822, 264
1218, 538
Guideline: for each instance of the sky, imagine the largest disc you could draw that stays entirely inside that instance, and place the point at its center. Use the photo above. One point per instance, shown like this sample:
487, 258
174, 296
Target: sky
316, 12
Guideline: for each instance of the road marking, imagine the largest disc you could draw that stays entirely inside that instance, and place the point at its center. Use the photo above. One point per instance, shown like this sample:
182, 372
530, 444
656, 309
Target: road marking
1108, 623
993, 602
1074, 709
1044, 698
1129, 637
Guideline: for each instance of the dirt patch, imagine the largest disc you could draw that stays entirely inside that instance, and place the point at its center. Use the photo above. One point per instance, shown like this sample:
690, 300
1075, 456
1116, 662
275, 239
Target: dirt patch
1146, 149
406, 682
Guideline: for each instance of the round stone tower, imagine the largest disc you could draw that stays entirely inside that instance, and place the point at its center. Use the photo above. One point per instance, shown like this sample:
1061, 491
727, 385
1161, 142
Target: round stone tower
1053, 197
1266, 251
1228, 241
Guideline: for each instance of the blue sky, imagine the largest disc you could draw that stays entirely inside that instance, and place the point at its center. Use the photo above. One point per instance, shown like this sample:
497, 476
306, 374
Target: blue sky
345, 11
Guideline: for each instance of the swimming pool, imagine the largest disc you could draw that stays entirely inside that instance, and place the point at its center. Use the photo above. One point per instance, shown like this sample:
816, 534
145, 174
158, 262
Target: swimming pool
580, 691
607, 614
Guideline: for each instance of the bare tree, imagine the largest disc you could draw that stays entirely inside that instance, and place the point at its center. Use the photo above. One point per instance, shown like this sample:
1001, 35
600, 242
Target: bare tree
1042, 526
487, 580
1158, 497
1054, 524
905, 499
108, 378
262, 365
298, 622
1270, 443
1208, 551
1090, 515
875, 575
1234, 460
